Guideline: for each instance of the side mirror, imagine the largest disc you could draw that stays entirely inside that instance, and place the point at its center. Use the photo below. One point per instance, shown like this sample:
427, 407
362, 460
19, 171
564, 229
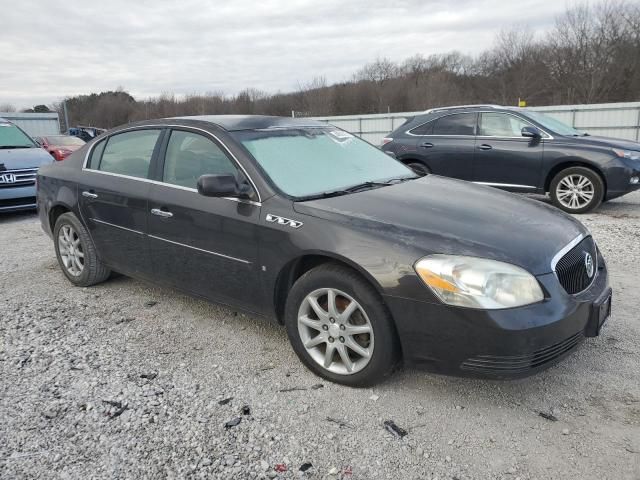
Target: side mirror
530, 132
222, 186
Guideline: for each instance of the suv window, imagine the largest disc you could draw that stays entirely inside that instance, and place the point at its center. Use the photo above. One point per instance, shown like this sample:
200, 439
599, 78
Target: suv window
501, 125
424, 129
457, 124
129, 153
191, 155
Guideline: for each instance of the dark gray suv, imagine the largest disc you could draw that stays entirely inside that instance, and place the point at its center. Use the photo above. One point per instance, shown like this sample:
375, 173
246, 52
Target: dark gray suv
518, 150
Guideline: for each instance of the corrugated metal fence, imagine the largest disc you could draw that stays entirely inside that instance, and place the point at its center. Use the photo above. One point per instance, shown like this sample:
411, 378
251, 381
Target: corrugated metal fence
621, 120
35, 124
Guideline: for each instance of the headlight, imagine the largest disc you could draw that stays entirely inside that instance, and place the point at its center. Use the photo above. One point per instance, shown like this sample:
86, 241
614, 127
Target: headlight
630, 154
477, 282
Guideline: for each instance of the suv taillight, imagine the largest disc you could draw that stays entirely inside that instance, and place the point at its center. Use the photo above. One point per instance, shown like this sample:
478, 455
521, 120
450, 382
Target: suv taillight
386, 140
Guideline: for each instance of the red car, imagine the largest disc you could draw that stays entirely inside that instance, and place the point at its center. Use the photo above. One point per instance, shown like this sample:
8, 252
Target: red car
60, 146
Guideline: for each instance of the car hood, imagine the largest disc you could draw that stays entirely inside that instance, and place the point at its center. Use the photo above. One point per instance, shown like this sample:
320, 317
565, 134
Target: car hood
442, 215
605, 142
17, 158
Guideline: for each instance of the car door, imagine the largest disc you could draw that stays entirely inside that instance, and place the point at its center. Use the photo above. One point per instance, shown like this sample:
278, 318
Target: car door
113, 198
446, 144
504, 158
203, 245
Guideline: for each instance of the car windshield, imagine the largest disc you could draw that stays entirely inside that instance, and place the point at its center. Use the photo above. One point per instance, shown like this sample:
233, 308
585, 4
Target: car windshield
12, 137
64, 140
313, 162
554, 125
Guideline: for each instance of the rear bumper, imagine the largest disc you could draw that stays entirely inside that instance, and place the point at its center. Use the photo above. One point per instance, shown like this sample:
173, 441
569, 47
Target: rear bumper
501, 344
17, 198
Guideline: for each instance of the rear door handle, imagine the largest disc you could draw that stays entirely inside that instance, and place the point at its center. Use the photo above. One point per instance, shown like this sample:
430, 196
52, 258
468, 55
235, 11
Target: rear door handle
426, 144
89, 194
484, 146
161, 213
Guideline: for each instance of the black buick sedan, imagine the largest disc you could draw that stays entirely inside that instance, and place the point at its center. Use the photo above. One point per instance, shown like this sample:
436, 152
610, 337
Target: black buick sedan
365, 263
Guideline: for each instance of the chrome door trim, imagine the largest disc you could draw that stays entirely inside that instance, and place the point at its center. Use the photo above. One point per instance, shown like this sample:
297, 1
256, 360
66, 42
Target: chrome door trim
164, 184
509, 185
201, 250
155, 126
116, 226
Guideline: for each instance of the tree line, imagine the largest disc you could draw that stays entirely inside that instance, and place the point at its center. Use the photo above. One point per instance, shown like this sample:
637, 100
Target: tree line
590, 55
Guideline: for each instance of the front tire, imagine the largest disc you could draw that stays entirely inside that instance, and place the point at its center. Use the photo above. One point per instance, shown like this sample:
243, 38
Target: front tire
76, 253
577, 190
340, 328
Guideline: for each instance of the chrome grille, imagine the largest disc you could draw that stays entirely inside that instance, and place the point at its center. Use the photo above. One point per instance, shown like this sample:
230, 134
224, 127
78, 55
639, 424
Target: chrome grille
571, 269
18, 178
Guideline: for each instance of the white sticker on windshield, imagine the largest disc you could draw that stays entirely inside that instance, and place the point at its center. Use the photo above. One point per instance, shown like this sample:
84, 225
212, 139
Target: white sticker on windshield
340, 134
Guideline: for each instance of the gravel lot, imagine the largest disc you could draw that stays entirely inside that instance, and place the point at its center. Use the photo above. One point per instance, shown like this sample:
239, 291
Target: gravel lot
127, 380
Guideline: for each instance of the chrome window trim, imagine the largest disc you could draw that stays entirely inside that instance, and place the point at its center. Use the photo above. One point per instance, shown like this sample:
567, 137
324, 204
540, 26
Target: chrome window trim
169, 185
154, 126
201, 250
513, 185
116, 226
547, 136
408, 132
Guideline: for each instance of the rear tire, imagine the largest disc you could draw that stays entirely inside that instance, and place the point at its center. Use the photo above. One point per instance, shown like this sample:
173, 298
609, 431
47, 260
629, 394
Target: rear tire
418, 168
577, 190
76, 253
340, 328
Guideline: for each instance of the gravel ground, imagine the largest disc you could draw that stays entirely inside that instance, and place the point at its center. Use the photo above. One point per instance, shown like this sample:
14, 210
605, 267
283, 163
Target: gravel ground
127, 380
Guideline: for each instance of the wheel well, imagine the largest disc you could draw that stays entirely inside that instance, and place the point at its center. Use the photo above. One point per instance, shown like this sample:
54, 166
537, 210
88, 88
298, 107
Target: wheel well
292, 271
54, 213
563, 166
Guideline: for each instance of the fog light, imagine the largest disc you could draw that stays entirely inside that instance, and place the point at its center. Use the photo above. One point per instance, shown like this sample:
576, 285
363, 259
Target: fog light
634, 180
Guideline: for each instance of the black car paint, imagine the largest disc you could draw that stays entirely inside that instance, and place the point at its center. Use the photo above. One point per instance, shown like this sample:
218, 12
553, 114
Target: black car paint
513, 164
226, 251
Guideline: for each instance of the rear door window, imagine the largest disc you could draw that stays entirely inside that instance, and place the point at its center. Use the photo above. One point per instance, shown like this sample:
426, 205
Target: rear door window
457, 124
129, 153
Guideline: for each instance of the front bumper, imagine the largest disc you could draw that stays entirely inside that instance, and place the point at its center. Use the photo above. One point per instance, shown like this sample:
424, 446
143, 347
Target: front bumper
508, 343
619, 179
13, 199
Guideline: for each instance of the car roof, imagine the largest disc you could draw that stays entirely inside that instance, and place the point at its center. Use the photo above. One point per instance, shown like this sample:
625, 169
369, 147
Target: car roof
233, 123
470, 107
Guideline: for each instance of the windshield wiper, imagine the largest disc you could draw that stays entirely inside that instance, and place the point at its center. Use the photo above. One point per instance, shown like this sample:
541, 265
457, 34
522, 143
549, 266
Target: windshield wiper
355, 188
8, 147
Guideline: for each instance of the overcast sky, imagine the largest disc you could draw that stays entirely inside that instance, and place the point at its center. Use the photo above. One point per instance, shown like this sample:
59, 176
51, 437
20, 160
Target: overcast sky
51, 49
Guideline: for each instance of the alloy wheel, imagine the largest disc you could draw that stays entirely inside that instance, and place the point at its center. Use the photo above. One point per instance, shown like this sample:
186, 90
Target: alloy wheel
575, 191
71, 251
335, 331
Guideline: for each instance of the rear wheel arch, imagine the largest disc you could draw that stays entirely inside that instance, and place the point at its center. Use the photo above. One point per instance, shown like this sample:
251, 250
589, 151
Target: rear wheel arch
297, 267
55, 212
572, 163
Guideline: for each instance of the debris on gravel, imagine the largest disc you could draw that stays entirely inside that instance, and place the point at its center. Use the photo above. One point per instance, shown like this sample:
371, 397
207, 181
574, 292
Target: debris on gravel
85, 395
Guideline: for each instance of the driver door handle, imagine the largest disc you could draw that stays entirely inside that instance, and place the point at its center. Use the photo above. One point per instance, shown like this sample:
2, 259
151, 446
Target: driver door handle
426, 144
89, 194
161, 213
484, 146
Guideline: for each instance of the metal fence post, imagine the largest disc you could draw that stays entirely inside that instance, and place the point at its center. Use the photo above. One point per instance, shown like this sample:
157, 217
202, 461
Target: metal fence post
638, 127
